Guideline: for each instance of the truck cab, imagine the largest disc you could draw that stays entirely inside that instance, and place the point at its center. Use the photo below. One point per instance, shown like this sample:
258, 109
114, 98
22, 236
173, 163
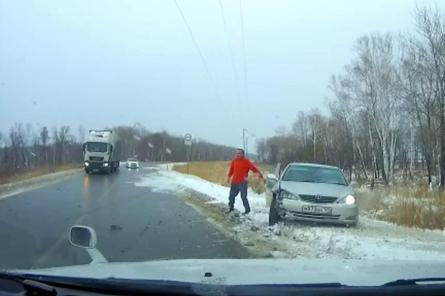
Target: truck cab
98, 152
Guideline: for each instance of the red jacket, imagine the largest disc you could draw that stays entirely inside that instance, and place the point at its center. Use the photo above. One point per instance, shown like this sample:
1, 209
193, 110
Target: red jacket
239, 170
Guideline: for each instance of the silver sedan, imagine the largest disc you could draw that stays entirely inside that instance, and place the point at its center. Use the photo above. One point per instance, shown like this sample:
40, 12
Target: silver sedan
312, 192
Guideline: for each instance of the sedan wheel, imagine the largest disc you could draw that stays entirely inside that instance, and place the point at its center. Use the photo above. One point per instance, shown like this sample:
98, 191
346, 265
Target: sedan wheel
274, 217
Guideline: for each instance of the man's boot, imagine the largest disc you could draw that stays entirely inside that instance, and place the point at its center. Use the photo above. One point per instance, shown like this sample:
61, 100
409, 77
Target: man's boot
229, 210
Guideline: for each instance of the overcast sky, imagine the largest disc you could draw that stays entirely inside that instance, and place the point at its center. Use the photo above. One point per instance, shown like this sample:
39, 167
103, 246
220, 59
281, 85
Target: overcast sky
106, 63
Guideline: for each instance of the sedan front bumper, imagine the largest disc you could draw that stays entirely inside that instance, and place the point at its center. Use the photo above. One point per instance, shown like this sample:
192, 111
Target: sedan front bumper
314, 212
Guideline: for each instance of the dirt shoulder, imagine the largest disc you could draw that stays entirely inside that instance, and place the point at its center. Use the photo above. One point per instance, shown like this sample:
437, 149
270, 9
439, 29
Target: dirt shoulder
235, 226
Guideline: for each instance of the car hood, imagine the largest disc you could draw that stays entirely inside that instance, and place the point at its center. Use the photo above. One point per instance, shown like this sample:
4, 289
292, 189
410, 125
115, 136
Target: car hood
316, 188
257, 271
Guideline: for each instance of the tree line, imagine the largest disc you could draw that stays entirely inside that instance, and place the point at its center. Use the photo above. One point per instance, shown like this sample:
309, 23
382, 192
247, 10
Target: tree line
26, 147
386, 109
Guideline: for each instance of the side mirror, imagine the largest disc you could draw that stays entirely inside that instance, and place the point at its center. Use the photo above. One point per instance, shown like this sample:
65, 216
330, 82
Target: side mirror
271, 181
278, 168
83, 236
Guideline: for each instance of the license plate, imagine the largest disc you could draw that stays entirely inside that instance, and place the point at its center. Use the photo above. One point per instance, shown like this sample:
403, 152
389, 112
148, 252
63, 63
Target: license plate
316, 210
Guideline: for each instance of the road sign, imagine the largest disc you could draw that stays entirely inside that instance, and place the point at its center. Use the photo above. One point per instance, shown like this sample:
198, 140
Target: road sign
188, 139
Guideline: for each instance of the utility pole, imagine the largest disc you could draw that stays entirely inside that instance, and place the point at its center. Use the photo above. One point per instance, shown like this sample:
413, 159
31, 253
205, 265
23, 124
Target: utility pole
244, 139
244, 145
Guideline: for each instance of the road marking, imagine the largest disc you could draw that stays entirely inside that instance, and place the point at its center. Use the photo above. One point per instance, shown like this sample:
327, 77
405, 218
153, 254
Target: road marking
29, 185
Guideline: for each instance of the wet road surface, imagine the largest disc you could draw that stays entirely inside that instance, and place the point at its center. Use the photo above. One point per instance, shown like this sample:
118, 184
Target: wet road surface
132, 223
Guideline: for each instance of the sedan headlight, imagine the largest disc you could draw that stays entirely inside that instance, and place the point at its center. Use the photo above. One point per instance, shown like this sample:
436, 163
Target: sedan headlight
287, 195
105, 164
87, 163
348, 199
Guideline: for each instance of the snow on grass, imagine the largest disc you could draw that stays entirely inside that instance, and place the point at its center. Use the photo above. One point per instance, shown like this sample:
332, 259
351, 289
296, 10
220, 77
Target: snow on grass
371, 239
173, 181
413, 206
168, 166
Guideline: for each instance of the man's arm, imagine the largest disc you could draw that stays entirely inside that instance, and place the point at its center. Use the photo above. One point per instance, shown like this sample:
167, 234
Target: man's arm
230, 172
254, 169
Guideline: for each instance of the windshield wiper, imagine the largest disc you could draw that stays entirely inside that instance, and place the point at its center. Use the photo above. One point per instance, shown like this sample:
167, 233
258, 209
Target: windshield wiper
418, 281
38, 288
49, 285
307, 181
31, 286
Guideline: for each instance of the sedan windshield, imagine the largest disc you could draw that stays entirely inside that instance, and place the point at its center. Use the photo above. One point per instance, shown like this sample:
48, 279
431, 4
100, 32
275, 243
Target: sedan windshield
314, 175
96, 147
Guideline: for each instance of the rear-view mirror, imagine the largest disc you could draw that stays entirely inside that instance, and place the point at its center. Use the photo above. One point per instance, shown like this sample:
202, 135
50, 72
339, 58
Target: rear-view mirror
83, 236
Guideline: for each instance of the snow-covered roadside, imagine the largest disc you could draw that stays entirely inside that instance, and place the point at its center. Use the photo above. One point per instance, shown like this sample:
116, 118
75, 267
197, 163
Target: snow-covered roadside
370, 239
168, 166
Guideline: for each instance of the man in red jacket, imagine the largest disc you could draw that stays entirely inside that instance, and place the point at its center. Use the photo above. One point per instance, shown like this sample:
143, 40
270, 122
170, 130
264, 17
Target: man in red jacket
237, 177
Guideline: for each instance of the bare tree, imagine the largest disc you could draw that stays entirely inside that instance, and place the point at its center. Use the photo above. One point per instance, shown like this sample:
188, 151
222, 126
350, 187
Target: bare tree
387, 110
377, 83
431, 45
419, 96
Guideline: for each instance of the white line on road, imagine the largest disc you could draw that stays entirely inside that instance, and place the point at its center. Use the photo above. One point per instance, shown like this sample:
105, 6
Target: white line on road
34, 183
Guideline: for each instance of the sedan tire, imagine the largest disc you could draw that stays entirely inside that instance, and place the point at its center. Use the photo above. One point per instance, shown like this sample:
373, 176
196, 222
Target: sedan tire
274, 217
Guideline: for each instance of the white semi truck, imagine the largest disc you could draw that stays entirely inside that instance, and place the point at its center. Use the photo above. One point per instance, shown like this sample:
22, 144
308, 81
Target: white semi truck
98, 152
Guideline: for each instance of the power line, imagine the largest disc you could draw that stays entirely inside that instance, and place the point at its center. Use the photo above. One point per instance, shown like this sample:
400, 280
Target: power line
198, 49
243, 40
232, 60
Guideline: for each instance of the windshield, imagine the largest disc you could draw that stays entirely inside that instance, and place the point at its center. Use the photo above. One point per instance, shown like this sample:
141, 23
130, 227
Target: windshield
222, 129
297, 173
96, 147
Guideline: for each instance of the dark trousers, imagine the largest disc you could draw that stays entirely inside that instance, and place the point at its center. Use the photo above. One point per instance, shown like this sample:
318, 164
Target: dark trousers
234, 190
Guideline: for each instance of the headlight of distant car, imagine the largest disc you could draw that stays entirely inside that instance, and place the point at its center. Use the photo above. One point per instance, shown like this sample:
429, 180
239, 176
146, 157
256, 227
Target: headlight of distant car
105, 164
287, 195
348, 199
87, 163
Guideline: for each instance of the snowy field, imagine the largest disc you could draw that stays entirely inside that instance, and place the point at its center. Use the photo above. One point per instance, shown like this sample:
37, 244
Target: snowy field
371, 239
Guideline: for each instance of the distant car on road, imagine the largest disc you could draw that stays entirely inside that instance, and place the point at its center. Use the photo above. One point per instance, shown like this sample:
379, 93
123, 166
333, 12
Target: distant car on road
312, 192
132, 163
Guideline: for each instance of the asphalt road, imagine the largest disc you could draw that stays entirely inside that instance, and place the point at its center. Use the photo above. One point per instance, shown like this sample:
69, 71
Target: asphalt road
132, 224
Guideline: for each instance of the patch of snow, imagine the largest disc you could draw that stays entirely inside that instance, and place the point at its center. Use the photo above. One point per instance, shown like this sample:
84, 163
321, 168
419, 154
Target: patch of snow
172, 181
170, 165
371, 239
